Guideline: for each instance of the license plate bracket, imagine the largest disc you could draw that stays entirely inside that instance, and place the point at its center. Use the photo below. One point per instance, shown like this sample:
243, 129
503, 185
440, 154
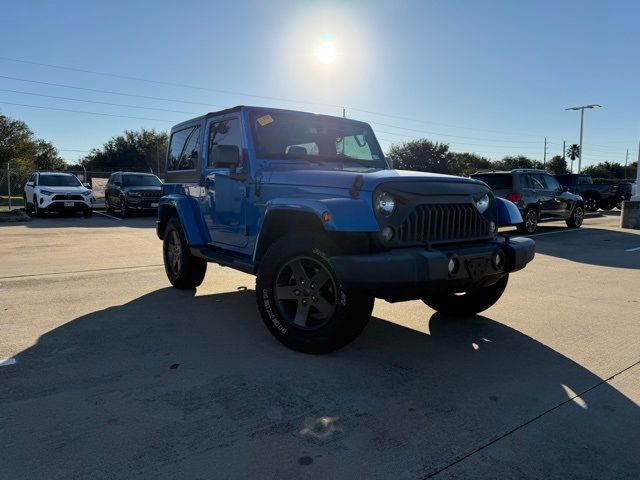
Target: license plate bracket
68, 204
477, 267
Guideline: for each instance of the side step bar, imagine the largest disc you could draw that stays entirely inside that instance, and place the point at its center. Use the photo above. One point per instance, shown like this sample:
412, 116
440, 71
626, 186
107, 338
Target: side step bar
223, 259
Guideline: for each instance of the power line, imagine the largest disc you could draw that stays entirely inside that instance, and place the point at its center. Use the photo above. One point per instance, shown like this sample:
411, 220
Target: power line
96, 102
88, 113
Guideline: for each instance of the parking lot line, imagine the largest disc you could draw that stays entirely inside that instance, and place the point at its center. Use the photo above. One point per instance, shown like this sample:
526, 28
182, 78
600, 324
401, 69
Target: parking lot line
556, 231
633, 249
107, 215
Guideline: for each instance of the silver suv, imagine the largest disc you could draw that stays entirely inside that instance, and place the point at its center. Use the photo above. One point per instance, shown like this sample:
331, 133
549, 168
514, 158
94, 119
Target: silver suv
538, 196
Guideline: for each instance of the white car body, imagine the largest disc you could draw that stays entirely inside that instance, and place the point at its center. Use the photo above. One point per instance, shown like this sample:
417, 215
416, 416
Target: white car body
41, 196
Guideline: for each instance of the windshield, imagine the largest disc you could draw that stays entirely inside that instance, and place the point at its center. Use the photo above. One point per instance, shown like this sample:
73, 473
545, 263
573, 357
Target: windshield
58, 181
141, 181
315, 138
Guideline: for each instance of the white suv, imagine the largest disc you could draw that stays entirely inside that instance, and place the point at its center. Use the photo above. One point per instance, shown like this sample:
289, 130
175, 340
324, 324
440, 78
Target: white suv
57, 192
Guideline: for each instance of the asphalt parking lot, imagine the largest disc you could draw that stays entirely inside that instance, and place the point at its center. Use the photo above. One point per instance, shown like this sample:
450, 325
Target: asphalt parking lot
117, 375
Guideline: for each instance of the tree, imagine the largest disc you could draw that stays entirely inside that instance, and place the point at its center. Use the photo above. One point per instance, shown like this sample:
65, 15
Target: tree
557, 165
422, 155
465, 164
47, 157
520, 161
133, 150
573, 152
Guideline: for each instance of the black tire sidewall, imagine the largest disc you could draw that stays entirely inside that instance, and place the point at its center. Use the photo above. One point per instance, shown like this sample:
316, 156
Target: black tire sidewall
353, 309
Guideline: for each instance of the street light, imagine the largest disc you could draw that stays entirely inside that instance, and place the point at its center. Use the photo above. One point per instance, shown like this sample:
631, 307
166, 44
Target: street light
594, 105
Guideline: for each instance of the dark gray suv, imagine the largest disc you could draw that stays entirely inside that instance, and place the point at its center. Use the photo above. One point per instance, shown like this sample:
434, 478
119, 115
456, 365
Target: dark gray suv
538, 196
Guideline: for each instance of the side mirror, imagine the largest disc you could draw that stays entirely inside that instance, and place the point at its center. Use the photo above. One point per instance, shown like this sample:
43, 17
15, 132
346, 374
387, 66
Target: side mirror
565, 189
29, 184
87, 185
226, 156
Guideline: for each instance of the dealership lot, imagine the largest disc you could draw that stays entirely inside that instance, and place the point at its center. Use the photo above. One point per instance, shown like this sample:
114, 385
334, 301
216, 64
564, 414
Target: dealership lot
118, 375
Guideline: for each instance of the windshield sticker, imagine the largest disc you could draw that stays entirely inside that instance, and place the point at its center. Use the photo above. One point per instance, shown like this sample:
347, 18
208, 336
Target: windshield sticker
265, 120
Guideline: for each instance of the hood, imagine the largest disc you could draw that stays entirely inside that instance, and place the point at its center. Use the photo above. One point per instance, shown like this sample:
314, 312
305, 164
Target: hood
78, 189
345, 178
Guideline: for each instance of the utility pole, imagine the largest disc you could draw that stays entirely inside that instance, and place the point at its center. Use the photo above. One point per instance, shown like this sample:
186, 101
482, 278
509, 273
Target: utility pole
594, 105
544, 159
564, 149
9, 186
626, 160
344, 112
158, 157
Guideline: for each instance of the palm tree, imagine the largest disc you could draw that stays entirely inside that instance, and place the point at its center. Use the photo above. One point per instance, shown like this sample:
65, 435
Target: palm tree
573, 152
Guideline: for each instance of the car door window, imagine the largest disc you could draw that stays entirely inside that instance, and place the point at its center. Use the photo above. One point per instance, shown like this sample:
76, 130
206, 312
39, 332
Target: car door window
225, 132
176, 148
536, 182
551, 183
189, 156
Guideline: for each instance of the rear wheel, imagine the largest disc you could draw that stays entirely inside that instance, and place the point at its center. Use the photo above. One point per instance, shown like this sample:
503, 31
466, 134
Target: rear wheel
577, 217
590, 203
530, 223
467, 303
301, 301
184, 270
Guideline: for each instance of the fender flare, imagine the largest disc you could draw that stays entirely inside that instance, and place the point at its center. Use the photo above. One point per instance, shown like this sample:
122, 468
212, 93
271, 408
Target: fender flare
192, 226
345, 214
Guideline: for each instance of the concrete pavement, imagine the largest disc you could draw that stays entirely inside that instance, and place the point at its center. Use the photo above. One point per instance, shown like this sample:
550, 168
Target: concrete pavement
119, 375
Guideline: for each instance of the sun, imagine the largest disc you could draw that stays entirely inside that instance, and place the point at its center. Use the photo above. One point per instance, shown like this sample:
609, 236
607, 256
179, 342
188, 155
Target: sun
326, 52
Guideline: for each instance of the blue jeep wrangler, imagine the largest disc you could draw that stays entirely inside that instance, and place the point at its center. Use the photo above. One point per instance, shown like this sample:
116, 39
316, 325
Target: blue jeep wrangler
309, 204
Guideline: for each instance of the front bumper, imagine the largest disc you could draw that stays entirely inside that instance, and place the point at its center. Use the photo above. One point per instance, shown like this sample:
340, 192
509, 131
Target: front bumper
406, 272
65, 206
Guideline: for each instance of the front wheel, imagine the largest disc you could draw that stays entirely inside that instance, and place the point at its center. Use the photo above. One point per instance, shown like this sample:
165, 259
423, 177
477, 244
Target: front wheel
466, 303
87, 212
577, 217
27, 206
108, 207
301, 301
184, 270
124, 208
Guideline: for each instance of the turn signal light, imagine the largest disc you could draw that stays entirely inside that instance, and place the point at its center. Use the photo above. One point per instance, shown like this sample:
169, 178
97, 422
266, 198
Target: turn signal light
514, 197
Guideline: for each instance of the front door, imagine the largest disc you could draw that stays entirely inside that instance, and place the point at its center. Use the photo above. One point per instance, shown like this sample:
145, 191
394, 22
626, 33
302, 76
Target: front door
542, 196
224, 203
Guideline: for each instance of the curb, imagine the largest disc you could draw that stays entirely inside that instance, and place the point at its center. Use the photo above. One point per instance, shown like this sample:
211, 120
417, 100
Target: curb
21, 217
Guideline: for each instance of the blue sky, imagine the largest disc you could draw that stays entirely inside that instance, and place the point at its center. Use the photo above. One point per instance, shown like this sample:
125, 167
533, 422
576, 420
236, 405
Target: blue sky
492, 77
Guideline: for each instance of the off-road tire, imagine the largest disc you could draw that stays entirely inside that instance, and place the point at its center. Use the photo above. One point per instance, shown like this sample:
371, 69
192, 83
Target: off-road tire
527, 227
577, 217
319, 332
469, 303
188, 272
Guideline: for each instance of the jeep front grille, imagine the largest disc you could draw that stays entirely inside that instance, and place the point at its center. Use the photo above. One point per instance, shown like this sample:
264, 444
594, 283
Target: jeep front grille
443, 223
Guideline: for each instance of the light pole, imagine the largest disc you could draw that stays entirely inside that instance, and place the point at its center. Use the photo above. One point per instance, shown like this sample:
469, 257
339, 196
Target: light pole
594, 105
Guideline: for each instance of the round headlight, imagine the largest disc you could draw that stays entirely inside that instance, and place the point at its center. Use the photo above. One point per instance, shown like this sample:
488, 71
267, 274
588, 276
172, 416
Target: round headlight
385, 204
482, 203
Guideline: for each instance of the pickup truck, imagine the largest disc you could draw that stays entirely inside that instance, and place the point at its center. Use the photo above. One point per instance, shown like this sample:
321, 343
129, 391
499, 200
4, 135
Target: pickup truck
595, 195
309, 204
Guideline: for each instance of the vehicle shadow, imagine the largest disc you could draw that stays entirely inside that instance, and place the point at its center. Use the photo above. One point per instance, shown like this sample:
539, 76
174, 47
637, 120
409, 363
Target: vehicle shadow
594, 246
174, 385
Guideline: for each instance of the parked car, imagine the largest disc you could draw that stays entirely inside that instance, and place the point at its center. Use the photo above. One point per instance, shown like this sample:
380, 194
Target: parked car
595, 195
57, 192
538, 196
309, 205
131, 191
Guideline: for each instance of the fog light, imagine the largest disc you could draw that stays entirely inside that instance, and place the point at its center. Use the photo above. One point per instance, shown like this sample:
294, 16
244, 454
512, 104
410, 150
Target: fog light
453, 265
387, 233
498, 260
492, 227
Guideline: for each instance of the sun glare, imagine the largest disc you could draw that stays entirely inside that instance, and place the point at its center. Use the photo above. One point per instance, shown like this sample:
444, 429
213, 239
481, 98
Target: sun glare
326, 52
